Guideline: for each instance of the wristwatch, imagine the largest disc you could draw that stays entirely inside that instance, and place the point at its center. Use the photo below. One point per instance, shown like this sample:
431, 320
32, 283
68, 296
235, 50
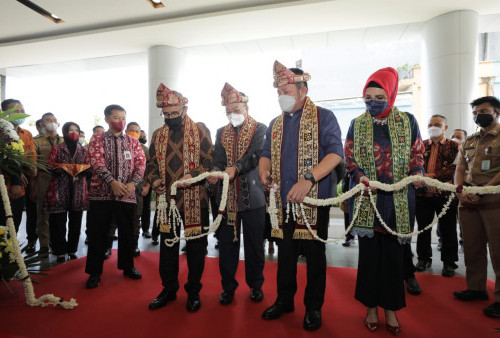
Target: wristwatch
310, 177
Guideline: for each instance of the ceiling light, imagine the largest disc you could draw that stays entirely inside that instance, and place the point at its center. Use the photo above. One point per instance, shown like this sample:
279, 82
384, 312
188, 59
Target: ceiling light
52, 17
156, 3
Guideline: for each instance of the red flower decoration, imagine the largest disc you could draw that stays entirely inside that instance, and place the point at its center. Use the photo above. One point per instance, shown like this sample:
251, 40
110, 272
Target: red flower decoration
460, 188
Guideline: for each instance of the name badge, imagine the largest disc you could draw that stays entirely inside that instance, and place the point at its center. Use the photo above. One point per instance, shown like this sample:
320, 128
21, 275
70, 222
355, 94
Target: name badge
485, 165
127, 155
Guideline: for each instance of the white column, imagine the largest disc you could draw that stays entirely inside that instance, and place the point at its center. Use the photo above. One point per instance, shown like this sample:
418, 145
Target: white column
165, 65
449, 64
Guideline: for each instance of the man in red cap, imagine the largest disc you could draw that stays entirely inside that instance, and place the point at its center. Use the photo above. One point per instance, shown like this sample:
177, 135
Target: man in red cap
237, 150
383, 144
302, 147
180, 149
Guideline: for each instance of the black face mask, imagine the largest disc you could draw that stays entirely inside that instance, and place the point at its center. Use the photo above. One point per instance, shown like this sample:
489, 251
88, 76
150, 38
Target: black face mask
143, 140
483, 120
174, 123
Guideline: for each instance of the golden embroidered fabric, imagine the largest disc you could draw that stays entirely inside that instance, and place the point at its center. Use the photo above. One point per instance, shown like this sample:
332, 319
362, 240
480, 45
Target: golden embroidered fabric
307, 159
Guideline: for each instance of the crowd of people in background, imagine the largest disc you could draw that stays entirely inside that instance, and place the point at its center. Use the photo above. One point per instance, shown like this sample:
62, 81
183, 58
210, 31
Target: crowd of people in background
115, 175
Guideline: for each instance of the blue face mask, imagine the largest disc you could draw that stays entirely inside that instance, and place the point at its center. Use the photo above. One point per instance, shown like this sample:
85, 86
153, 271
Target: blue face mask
19, 121
376, 107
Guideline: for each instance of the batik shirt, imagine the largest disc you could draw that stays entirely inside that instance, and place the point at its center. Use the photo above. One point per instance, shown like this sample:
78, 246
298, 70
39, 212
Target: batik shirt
119, 158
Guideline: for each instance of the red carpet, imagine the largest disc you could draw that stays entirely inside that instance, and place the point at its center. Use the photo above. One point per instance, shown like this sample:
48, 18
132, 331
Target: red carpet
119, 307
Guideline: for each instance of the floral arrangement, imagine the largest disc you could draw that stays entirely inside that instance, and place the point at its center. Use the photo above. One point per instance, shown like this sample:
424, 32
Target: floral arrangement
12, 158
12, 264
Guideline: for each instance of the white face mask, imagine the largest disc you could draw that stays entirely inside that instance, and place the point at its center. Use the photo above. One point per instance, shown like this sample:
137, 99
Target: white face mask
51, 127
81, 140
435, 132
42, 131
236, 119
456, 140
287, 102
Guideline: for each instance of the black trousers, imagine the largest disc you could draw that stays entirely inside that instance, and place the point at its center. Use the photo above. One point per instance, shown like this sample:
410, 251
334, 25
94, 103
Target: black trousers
101, 215
146, 212
30, 218
288, 252
195, 252
155, 232
426, 209
380, 272
349, 236
229, 251
409, 267
57, 224
17, 207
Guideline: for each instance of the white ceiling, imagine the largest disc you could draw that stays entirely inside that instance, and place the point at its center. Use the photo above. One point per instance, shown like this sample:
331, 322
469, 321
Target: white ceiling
100, 28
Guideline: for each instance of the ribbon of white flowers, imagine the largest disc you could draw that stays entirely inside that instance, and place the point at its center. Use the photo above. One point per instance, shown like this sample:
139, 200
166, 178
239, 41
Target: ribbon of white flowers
29, 292
175, 215
487, 190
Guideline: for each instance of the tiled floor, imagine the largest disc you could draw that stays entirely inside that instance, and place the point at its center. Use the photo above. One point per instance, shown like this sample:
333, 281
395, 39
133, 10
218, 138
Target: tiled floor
336, 254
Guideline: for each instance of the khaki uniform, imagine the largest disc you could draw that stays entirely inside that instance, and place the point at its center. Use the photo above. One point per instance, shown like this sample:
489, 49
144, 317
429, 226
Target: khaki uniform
43, 147
479, 223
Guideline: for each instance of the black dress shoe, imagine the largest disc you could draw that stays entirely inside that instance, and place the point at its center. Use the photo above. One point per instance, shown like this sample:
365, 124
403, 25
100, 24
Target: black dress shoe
137, 252
154, 241
146, 234
61, 258
256, 295
163, 298
423, 265
448, 271
193, 304
467, 295
226, 297
493, 310
93, 281
412, 286
132, 274
107, 253
44, 250
276, 310
72, 256
348, 242
30, 249
312, 320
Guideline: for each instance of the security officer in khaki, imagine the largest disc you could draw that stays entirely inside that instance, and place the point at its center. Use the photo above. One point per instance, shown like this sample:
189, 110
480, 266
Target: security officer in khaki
43, 147
478, 164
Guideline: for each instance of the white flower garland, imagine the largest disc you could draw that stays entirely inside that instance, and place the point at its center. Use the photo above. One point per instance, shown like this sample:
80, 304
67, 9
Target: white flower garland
29, 292
175, 215
273, 212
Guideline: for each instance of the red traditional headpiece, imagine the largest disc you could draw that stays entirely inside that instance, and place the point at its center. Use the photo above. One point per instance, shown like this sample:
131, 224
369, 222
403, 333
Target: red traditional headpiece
166, 97
283, 75
230, 95
388, 79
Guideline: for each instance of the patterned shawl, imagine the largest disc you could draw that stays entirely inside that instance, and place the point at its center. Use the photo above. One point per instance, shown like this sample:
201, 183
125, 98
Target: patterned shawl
235, 149
191, 160
400, 134
307, 159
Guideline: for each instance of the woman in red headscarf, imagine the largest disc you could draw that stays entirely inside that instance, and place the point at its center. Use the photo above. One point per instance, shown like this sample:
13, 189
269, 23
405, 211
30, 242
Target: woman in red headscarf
383, 144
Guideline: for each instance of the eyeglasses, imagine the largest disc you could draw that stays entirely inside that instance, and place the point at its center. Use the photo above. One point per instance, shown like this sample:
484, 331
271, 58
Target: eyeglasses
172, 114
376, 98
